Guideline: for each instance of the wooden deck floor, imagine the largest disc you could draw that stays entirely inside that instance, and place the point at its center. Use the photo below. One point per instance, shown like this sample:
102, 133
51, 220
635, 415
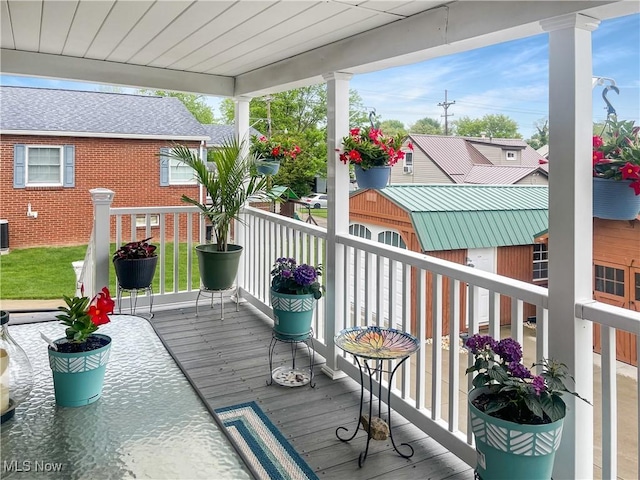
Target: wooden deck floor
228, 363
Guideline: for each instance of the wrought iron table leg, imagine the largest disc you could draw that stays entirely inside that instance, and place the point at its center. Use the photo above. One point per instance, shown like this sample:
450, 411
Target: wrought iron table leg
272, 347
359, 413
389, 413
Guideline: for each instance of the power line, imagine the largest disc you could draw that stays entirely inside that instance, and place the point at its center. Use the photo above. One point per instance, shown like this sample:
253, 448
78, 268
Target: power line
446, 115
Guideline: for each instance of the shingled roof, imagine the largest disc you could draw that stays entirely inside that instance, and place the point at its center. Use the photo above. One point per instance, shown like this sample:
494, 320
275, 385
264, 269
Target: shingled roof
451, 217
219, 134
44, 111
459, 158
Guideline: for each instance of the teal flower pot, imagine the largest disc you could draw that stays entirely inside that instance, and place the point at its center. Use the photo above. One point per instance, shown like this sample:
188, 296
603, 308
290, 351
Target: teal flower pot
292, 314
614, 199
268, 167
508, 450
78, 377
374, 177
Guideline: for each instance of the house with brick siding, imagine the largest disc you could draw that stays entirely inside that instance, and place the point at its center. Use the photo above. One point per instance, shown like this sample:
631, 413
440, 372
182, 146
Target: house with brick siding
56, 145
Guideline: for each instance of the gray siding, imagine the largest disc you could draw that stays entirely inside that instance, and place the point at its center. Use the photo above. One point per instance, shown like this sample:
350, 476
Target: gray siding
424, 171
534, 179
497, 154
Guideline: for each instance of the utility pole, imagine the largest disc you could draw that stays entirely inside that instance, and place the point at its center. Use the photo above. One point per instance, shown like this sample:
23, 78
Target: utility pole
268, 99
446, 115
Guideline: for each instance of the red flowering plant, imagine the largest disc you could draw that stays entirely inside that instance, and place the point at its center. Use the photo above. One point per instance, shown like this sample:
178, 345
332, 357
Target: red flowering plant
513, 393
270, 149
616, 154
83, 316
369, 147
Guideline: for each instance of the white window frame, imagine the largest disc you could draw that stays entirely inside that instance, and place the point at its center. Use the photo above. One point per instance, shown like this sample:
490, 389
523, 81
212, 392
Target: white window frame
511, 155
173, 162
359, 230
408, 159
44, 184
543, 250
141, 220
395, 238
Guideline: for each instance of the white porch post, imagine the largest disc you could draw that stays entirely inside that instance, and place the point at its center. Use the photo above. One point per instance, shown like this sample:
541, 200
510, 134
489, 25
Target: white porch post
102, 199
241, 124
571, 229
338, 211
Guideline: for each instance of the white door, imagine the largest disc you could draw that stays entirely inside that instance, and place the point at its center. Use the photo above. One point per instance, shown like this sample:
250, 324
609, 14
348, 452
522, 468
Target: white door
483, 259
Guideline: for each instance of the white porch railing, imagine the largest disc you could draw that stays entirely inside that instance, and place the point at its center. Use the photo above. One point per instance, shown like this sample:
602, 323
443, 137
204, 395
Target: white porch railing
381, 281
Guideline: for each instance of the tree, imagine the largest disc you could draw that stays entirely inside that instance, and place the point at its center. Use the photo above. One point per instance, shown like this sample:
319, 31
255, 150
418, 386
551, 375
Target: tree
494, 126
393, 127
541, 137
427, 126
196, 104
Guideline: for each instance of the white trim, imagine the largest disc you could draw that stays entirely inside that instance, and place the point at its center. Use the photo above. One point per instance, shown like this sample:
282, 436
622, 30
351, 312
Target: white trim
52, 133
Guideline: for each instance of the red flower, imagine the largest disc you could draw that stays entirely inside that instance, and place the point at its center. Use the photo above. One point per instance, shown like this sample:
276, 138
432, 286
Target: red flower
636, 186
355, 156
263, 138
410, 146
99, 312
597, 157
354, 132
542, 161
629, 170
597, 141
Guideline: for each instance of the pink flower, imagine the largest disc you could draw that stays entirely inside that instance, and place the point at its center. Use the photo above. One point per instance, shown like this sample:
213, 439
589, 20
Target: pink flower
636, 186
597, 141
629, 170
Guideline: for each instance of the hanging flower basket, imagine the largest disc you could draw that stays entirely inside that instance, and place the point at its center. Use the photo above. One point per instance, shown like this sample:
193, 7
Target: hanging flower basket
268, 167
374, 177
614, 199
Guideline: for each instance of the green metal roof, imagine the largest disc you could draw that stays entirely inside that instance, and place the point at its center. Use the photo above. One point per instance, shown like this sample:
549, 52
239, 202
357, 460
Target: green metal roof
281, 190
450, 217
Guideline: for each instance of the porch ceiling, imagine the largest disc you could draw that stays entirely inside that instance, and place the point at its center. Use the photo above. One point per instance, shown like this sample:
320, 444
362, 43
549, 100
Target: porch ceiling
246, 47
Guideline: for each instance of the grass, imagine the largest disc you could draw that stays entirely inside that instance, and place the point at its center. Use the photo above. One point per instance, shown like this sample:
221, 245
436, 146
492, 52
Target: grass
46, 273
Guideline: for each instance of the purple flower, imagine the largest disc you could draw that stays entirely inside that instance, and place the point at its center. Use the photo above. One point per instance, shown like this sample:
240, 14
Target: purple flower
478, 342
286, 273
538, 384
518, 370
509, 350
305, 275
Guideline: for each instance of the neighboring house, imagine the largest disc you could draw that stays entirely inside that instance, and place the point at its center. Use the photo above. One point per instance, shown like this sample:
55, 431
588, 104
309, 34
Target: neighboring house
485, 161
58, 144
221, 134
488, 227
616, 276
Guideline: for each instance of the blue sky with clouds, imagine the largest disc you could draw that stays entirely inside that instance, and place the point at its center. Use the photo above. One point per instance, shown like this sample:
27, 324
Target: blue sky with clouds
510, 78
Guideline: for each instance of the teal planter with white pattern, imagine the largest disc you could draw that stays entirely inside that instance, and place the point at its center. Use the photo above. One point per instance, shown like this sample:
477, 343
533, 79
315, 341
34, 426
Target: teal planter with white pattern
508, 450
292, 315
78, 377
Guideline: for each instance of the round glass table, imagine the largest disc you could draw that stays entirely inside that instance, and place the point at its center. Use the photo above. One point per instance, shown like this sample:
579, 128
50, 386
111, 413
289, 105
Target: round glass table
371, 347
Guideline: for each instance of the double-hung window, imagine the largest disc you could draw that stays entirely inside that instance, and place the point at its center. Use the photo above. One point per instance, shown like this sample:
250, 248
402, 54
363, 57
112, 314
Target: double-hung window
44, 166
180, 173
540, 261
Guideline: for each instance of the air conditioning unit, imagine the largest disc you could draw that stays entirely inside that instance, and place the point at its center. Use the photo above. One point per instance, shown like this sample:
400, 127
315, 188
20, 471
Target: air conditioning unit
407, 169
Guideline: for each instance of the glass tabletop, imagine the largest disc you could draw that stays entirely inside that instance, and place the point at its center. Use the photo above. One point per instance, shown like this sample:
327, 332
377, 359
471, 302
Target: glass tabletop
376, 342
149, 422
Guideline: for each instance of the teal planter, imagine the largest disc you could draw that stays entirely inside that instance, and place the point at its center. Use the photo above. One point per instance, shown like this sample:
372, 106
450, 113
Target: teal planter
78, 377
292, 314
374, 177
508, 450
268, 167
614, 199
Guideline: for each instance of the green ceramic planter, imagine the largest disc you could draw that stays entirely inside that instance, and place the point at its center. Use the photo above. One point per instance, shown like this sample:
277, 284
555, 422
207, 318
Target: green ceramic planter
78, 377
292, 314
508, 450
218, 270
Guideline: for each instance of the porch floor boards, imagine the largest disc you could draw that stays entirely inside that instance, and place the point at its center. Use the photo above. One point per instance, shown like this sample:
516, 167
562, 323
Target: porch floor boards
227, 360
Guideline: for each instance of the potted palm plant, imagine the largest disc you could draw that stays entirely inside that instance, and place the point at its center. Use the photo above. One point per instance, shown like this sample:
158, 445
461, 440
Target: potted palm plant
229, 185
135, 264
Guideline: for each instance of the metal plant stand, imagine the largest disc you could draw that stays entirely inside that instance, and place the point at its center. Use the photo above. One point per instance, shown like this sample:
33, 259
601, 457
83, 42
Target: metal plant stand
206, 291
291, 376
371, 347
133, 298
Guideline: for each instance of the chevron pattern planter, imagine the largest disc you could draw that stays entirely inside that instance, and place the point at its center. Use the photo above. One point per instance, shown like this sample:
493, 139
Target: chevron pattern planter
78, 377
508, 450
292, 314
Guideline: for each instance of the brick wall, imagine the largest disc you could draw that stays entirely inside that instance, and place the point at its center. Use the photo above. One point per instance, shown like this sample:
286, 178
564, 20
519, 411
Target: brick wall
131, 168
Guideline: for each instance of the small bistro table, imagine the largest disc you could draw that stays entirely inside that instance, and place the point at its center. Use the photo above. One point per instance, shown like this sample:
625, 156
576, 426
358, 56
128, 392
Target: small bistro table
376, 345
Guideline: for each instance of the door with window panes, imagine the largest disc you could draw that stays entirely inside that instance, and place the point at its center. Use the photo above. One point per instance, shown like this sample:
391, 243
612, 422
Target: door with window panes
617, 285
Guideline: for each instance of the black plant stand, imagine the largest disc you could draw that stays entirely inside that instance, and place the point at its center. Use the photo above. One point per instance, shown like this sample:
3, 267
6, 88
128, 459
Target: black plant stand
290, 376
371, 347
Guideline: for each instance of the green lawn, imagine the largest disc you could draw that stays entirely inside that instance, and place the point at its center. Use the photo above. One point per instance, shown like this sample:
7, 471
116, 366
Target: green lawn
46, 273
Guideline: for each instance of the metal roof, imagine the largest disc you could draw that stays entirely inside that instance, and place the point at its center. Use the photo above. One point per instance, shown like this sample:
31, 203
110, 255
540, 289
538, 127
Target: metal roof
450, 217
44, 111
501, 174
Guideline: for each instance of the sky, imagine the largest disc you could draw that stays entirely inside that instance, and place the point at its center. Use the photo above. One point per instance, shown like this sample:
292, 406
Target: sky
509, 78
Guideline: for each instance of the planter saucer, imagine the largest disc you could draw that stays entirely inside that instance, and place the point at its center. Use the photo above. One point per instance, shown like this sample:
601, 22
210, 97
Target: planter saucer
291, 377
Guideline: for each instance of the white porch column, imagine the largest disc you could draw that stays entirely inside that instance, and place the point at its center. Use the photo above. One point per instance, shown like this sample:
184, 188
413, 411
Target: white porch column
571, 229
102, 199
337, 212
241, 124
